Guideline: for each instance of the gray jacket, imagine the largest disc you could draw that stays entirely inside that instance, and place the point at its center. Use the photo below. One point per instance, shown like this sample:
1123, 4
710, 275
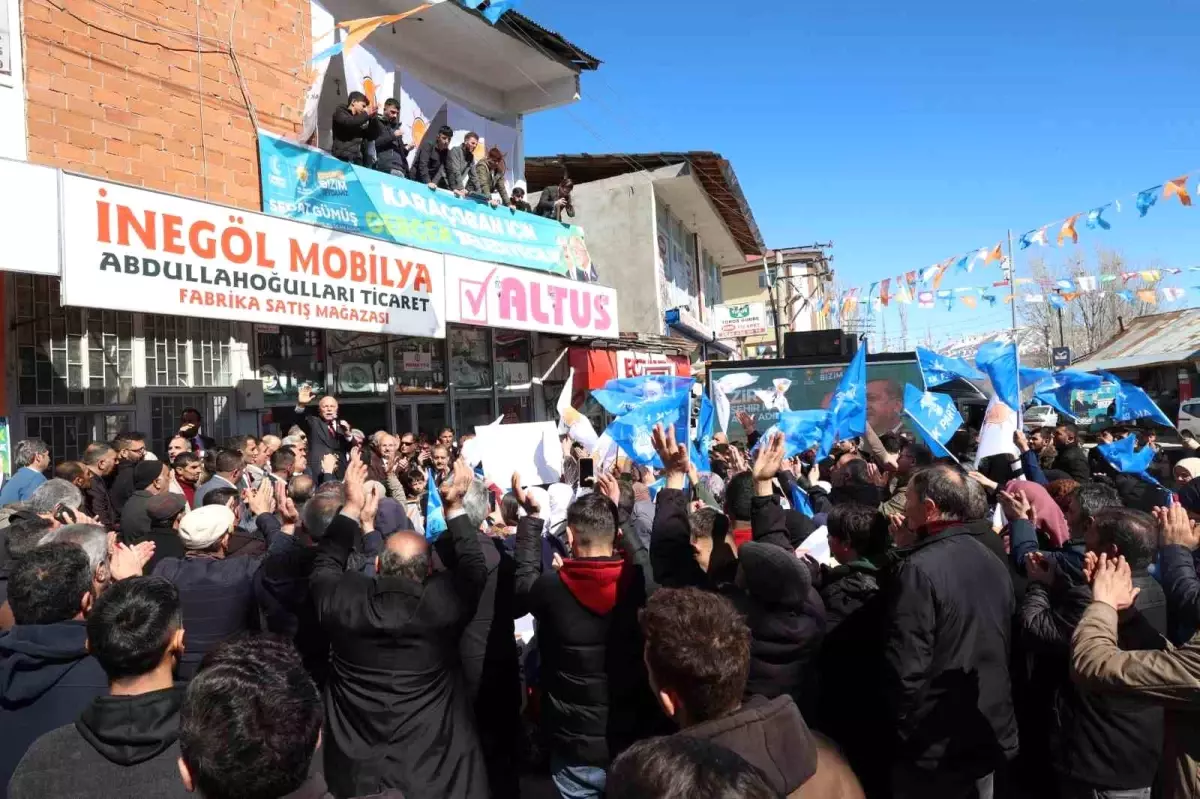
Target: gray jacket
459, 172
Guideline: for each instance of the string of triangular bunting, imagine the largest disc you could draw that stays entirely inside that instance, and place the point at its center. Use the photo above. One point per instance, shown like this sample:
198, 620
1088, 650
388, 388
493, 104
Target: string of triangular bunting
923, 286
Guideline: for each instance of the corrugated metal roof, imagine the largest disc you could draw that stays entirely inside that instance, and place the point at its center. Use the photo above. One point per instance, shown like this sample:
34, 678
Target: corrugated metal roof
1148, 341
715, 174
524, 28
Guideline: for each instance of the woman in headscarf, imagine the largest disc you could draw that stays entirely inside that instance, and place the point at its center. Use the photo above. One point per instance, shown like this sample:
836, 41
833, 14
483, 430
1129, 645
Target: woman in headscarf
1050, 523
1186, 470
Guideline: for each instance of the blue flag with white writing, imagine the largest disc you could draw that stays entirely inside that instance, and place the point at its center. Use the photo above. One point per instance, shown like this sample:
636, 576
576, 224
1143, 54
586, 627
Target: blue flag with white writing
632, 430
1132, 403
435, 516
1056, 389
802, 430
999, 362
1127, 458
937, 370
934, 416
848, 407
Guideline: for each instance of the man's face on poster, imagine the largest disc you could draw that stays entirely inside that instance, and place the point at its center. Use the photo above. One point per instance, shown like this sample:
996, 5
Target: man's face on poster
885, 404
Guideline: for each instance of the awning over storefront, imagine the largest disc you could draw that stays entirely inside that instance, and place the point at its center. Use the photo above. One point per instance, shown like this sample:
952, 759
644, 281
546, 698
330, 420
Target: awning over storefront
693, 329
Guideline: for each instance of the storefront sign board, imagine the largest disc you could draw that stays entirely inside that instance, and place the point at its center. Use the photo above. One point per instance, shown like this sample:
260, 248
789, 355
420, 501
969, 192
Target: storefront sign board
739, 320
135, 250
491, 295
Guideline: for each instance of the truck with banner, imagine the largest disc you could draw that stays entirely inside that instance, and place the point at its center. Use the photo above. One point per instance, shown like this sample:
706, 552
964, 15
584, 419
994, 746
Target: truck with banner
797, 384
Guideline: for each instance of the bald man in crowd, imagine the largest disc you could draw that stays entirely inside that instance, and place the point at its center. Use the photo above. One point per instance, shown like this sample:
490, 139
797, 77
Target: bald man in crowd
392, 722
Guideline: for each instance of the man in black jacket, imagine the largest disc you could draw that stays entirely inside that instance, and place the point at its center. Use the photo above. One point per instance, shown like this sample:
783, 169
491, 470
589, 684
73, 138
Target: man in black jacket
391, 155
430, 164
1071, 458
596, 699
352, 126
1100, 742
124, 743
47, 677
100, 460
131, 450
398, 716
950, 609
150, 478
762, 576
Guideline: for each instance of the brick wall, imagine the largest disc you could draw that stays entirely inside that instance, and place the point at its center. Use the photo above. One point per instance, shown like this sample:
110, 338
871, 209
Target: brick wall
116, 89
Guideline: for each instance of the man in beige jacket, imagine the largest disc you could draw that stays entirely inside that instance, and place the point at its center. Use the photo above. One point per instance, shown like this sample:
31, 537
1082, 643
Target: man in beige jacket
1170, 677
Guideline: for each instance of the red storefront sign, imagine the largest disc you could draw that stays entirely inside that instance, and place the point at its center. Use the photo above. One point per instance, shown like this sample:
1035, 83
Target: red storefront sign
594, 368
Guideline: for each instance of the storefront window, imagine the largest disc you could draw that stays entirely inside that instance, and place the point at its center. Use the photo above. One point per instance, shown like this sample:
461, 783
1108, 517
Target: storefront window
359, 364
471, 412
419, 365
513, 351
289, 357
470, 357
170, 339
69, 356
516, 408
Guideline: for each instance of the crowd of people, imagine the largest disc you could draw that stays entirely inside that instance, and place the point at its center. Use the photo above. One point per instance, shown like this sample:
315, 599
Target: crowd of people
289, 616
365, 136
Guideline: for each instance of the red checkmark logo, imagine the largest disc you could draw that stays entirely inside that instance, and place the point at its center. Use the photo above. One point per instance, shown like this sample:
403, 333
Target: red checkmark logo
473, 298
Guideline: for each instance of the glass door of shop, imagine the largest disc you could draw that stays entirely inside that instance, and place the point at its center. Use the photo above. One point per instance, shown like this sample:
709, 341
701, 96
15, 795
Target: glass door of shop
423, 417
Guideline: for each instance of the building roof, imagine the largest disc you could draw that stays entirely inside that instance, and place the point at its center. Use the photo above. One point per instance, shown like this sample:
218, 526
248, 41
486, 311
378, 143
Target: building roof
555, 44
714, 173
1163, 338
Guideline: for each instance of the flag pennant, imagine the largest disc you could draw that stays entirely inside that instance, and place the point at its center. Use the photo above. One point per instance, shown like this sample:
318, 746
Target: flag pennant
937, 278
1146, 199
910, 278
1132, 403
1172, 294
996, 254
1070, 296
1034, 298
883, 291
1148, 295
968, 301
1125, 295
925, 299
990, 299
1177, 188
1057, 301
435, 515
965, 263
1065, 285
1150, 275
1096, 220
945, 294
848, 407
1107, 278
1067, 231
934, 416
1127, 459
1032, 237
938, 369
928, 273
1086, 283
802, 430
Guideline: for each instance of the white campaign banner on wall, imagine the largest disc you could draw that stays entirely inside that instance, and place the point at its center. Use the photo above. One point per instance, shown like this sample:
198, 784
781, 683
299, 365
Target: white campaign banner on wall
369, 73
323, 33
29, 224
487, 294
129, 249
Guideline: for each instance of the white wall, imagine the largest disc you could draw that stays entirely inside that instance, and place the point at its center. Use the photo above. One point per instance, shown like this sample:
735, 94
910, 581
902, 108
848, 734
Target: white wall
12, 86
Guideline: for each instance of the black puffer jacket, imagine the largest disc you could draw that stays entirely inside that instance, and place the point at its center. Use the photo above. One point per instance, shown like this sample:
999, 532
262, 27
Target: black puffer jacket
350, 132
1108, 741
950, 610
390, 152
597, 698
847, 588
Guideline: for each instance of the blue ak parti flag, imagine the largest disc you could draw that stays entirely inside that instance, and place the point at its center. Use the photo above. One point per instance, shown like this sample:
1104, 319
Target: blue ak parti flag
1126, 458
999, 362
802, 430
1056, 389
848, 407
632, 430
435, 515
938, 369
934, 416
799, 500
702, 442
622, 395
1133, 403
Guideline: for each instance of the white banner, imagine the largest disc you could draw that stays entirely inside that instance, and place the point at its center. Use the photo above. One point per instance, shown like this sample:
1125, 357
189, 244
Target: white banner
479, 293
29, 224
532, 449
739, 320
129, 249
322, 38
369, 73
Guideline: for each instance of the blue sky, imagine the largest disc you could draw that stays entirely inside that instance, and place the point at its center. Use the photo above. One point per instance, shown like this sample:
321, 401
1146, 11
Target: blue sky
905, 132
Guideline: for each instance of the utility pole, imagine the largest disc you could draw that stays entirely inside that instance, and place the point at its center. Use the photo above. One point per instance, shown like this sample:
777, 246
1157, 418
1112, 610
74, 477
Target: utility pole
774, 278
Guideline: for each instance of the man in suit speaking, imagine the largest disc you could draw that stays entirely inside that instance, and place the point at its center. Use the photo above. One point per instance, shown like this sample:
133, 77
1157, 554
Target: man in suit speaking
326, 432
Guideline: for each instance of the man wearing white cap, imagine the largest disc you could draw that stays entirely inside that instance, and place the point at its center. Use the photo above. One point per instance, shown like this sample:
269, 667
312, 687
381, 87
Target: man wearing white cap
215, 592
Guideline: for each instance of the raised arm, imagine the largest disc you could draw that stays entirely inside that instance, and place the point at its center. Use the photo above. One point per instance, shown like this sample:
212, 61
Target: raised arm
671, 556
768, 523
